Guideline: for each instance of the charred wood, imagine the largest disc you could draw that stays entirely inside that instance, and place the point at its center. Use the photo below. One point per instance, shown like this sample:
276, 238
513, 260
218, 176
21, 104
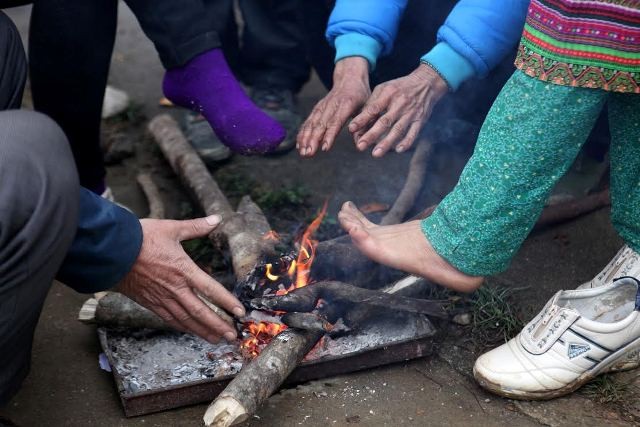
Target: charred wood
307, 298
261, 377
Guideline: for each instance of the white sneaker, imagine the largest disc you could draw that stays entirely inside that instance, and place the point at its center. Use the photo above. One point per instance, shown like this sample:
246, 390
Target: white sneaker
626, 263
577, 336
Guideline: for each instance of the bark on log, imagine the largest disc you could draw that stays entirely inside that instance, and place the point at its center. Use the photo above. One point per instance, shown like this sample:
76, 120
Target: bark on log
245, 244
413, 184
556, 214
261, 377
307, 298
565, 211
115, 310
152, 193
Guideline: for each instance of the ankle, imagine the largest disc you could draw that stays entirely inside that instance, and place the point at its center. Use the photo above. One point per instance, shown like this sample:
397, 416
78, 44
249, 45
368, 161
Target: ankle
450, 276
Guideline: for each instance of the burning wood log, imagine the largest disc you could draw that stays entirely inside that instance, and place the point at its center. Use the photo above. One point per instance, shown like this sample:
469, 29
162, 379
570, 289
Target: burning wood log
413, 184
260, 378
307, 298
245, 243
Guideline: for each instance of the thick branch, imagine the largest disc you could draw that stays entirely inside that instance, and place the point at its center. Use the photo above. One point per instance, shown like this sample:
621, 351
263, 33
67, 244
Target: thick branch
152, 193
307, 298
115, 310
555, 214
245, 243
413, 184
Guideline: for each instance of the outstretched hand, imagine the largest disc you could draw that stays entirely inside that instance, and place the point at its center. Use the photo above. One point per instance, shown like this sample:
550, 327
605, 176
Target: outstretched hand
397, 110
165, 280
349, 93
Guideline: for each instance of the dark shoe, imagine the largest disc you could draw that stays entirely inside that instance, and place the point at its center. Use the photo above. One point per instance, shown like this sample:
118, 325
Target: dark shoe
202, 138
6, 422
279, 104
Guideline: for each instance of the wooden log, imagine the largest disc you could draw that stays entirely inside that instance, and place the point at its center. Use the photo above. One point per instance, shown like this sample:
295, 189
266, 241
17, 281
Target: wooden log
413, 184
115, 310
307, 298
260, 378
556, 214
245, 244
152, 193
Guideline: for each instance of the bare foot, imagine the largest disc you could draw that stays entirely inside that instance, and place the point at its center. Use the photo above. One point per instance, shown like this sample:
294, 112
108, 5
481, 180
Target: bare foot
404, 247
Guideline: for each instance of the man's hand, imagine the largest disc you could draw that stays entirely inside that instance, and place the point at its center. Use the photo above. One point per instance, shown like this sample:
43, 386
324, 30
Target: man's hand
164, 279
349, 93
397, 110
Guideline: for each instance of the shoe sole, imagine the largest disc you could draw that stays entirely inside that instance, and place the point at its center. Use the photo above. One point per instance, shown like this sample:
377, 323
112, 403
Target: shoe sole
610, 364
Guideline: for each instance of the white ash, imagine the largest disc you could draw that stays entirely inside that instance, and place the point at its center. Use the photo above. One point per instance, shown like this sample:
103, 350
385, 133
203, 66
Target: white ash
150, 360
378, 332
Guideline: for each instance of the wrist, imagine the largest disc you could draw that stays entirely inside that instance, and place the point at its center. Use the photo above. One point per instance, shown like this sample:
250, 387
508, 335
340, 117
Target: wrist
431, 77
353, 67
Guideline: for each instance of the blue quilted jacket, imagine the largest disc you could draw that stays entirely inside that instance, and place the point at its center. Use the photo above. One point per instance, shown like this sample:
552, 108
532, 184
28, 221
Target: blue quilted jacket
473, 40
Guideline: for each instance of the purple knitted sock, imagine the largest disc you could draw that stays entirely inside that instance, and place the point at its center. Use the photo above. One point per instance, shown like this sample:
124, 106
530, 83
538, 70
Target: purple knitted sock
206, 85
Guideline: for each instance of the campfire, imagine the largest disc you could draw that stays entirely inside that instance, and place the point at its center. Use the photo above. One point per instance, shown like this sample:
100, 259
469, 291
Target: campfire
279, 278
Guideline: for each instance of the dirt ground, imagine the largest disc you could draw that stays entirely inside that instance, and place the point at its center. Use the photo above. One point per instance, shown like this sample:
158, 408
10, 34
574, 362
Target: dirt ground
67, 388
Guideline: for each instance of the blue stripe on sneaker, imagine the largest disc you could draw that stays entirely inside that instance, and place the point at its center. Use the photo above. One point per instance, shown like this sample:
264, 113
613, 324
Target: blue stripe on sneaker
591, 359
591, 341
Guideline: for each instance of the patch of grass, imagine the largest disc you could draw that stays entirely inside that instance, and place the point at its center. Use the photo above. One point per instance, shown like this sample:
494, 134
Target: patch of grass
291, 196
494, 315
606, 389
132, 115
198, 249
235, 185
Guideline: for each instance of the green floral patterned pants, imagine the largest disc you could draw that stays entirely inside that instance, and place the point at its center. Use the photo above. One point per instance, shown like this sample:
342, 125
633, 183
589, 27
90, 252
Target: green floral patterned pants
530, 138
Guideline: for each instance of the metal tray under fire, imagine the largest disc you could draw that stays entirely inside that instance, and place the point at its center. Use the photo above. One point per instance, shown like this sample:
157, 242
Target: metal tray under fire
156, 371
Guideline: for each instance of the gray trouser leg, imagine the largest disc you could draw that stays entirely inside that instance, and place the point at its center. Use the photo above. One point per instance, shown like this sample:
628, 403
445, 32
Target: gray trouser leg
38, 217
13, 65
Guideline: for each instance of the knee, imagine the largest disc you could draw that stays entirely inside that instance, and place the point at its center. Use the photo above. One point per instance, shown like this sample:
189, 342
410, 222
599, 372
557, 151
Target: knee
35, 157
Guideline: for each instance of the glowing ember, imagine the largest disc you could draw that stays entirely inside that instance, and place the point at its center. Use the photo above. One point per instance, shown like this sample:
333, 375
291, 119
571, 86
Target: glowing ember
260, 334
271, 235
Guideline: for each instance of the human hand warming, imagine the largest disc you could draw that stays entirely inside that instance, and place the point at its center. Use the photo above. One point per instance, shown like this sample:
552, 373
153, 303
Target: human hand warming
397, 110
349, 93
165, 280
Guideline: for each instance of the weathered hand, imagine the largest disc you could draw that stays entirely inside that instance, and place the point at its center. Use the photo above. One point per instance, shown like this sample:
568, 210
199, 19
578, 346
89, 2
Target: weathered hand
164, 279
349, 93
397, 110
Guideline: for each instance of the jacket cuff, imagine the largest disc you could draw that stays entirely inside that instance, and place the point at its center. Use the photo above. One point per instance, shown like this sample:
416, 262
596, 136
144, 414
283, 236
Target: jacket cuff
355, 44
107, 244
454, 68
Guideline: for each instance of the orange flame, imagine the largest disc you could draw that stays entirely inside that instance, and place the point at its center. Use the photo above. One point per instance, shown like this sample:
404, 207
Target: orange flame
269, 274
308, 250
260, 334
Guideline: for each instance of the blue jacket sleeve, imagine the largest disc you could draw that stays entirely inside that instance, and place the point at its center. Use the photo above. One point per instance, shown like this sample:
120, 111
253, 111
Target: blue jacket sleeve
365, 28
106, 245
476, 36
